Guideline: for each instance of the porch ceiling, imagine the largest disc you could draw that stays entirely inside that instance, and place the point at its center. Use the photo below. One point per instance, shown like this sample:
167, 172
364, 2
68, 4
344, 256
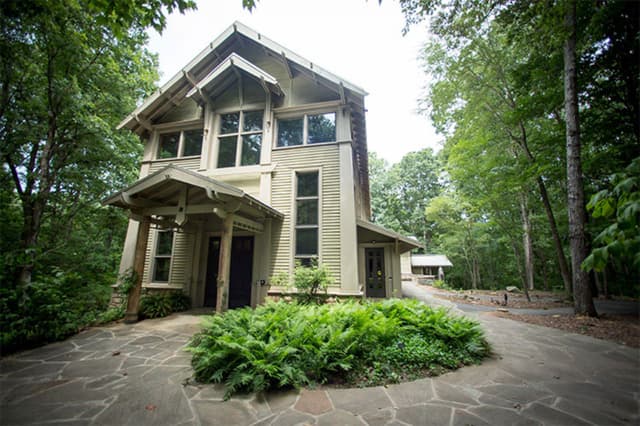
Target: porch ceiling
371, 233
174, 192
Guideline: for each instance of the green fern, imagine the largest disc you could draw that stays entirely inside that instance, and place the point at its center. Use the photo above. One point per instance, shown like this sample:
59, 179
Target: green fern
282, 345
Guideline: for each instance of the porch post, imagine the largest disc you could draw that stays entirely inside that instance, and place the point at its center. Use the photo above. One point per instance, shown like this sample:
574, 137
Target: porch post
133, 301
224, 264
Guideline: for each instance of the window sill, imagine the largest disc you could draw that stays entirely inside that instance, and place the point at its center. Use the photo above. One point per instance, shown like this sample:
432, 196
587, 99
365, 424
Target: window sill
168, 160
163, 286
309, 145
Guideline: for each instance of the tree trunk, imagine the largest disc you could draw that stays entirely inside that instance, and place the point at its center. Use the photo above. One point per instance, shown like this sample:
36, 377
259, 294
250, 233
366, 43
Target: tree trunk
582, 298
527, 242
544, 195
557, 243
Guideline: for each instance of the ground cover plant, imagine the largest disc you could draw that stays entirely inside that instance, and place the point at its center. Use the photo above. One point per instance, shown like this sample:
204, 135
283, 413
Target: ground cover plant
280, 344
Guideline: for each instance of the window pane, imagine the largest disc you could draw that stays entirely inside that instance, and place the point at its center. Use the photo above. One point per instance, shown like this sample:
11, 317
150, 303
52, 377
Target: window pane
307, 241
305, 261
290, 132
252, 121
322, 128
307, 212
227, 152
250, 149
229, 123
169, 145
161, 271
192, 142
164, 244
308, 184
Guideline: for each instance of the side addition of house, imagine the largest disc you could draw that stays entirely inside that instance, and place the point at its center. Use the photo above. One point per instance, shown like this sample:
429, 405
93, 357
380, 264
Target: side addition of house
254, 159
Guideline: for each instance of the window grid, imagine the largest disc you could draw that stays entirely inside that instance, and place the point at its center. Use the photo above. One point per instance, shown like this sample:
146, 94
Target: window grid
244, 140
162, 256
307, 224
317, 134
182, 141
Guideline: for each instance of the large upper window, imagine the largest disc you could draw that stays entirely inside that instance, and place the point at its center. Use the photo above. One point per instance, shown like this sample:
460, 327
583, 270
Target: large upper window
308, 129
162, 257
184, 143
307, 223
240, 138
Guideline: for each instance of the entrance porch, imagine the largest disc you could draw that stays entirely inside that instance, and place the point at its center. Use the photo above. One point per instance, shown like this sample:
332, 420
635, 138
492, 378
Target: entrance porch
196, 234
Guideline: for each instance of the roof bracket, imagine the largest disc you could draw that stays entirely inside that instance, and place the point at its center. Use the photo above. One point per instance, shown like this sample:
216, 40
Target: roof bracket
144, 123
343, 97
285, 61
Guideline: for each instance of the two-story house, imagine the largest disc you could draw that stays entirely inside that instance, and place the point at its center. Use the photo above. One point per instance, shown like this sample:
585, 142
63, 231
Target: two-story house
254, 158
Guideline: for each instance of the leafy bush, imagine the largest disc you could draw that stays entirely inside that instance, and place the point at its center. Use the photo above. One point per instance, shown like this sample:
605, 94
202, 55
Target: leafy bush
441, 284
159, 305
310, 282
288, 344
114, 313
51, 308
179, 301
155, 305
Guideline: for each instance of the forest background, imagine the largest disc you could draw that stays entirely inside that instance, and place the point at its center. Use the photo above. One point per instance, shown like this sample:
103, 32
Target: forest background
496, 199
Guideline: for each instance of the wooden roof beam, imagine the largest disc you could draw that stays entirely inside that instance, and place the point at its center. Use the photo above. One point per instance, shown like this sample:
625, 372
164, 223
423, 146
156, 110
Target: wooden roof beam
285, 61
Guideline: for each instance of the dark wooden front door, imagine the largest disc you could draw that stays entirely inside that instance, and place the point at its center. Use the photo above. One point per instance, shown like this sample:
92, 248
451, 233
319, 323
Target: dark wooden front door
374, 271
240, 275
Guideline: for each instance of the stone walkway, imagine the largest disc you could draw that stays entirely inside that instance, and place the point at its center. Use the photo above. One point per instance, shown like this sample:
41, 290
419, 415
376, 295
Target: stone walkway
138, 375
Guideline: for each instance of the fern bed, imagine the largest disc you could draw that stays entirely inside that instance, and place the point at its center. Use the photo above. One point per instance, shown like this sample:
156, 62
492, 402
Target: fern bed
281, 345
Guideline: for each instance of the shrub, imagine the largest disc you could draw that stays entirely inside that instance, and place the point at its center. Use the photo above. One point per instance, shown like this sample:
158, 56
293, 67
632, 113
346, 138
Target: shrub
310, 282
159, 305
441, 284
291, 345
51, 308
155, 305
114, 313
179, 301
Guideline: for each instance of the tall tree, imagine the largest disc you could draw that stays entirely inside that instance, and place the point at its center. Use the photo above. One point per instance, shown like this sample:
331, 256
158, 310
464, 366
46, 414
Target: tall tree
69, 71
583, 299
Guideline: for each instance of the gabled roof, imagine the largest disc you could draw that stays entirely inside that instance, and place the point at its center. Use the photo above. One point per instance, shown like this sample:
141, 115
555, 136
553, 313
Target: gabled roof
164, 188
430, 260
232, 63
199, 67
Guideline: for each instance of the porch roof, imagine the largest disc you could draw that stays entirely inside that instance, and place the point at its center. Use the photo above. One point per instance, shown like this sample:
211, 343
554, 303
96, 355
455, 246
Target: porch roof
430, 260
370, 232
176, 192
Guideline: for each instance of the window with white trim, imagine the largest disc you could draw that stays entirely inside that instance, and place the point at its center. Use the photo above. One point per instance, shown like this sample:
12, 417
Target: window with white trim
182, 143
307, 202
240, 138
308, 129
162, 256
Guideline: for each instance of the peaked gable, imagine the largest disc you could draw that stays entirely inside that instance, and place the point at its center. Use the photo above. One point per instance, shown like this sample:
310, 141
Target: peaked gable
218, 53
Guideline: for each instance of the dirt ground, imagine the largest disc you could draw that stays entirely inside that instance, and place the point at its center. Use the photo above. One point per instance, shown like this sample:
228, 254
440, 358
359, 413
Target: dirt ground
539, 299
622, 329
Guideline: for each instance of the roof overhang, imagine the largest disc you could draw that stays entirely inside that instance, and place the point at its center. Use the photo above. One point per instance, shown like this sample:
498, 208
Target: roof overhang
176, 194
371, 233
430, 260
235, 63
175, 90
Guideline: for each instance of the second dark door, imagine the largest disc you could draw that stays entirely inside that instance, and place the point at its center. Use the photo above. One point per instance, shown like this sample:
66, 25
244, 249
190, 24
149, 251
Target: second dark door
240, 276
374, 272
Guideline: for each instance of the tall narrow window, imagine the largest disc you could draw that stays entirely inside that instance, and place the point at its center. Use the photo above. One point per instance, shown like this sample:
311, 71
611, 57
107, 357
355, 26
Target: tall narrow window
240, 139
307, 223
162, 258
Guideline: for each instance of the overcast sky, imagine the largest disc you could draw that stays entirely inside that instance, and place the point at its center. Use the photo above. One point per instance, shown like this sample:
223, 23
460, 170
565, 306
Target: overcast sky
360, 41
